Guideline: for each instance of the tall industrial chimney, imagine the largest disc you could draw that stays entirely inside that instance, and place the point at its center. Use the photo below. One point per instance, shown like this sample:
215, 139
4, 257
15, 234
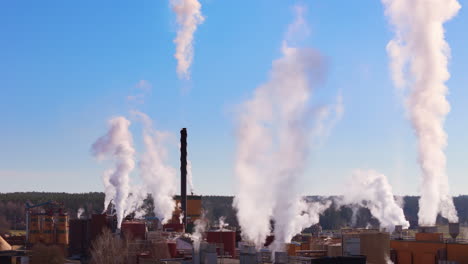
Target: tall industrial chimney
183, 174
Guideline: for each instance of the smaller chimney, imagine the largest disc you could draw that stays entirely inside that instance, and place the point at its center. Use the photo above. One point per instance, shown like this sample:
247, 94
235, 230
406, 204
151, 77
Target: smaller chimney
398, 232
398, 228
454, 230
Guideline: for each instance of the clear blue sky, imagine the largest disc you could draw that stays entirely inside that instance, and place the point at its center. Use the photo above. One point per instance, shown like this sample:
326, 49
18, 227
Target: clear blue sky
66, 67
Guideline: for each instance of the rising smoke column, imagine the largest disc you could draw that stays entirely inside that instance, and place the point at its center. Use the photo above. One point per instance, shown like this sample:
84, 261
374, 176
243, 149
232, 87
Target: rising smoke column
117, 144
190, 177
109, 189
293, 216
419, 57
199, 229
80, 212
371, 189
159, 178
272, 148
188, 16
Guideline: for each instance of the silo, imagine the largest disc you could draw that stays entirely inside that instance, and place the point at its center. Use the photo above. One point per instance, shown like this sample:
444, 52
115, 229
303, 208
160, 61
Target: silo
34, 228
48, 229
61, 229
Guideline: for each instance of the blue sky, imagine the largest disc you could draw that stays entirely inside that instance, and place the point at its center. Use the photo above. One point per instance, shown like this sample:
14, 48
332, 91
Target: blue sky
66, 67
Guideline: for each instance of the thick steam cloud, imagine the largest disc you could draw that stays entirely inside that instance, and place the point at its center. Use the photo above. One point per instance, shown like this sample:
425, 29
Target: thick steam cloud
188, 16
117, 144
273, 129
370, 189
418, 60
159, 178
200, 227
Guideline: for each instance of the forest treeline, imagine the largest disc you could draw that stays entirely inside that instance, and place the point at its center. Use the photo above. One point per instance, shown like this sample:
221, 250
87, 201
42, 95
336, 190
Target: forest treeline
12, 209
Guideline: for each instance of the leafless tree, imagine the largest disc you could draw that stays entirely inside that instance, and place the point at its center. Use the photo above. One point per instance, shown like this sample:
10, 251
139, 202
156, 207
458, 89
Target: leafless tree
42, 254
109, 249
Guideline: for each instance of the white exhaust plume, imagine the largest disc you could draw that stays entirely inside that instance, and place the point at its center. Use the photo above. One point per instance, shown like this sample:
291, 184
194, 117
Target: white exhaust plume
188, 16
199, 229
419, 57
135, 200
293, 217
118, 145
388, 260
273, 132
190, 177
222, 223
371, 189
159, 178
79, 213
109, 189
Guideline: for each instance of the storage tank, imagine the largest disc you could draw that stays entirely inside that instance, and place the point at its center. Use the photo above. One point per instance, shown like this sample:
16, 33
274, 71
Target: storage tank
62, 229
48, 229
227, 238
34, 228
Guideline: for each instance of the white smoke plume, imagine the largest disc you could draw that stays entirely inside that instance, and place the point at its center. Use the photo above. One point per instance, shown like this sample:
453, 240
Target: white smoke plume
109, 189
117, 144
190, 177
388, 260
158, 177
188, 16
79, 213
222, 223
199, 229
326, 119
291, 220
273, 134
418, 61
135, 199
181, 217
371, 189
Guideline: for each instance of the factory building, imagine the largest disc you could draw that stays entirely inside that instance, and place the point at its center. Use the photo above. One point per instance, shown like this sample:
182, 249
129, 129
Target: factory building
47, 223
430, 247
149, 242
372, 243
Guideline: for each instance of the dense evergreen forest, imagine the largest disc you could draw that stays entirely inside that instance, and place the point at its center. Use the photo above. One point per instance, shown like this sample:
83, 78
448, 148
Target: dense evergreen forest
12, 209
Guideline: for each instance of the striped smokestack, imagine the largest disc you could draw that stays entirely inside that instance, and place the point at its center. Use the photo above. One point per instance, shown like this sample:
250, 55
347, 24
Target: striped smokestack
183, 174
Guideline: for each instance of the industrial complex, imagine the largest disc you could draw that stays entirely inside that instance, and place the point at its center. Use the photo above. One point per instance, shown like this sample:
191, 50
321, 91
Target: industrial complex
148, 241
